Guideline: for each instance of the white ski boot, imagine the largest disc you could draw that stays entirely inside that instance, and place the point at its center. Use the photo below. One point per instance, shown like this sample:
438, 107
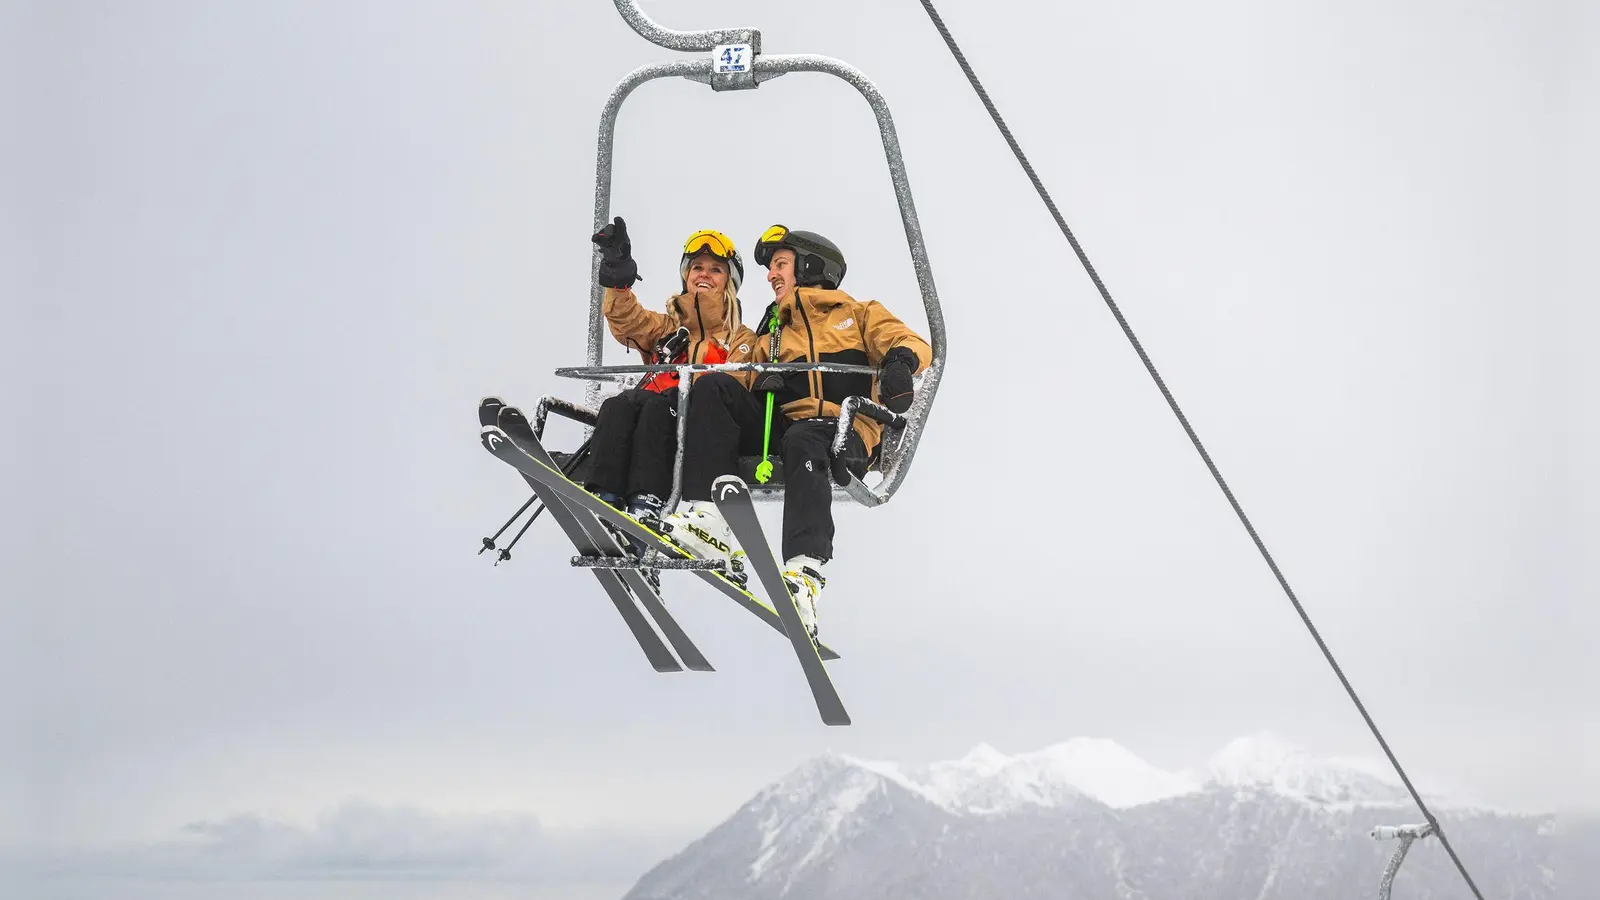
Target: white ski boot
698, 527
803, 574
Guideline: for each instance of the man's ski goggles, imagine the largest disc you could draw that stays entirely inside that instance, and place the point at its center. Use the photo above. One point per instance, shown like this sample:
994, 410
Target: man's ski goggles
714, 241
771, 239
779, 237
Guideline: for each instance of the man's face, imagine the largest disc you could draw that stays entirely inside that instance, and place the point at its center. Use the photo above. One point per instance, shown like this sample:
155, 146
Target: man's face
780, 273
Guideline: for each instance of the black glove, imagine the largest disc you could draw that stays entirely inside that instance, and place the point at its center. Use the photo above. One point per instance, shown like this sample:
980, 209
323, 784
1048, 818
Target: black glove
669, 348
894, 378
617, 268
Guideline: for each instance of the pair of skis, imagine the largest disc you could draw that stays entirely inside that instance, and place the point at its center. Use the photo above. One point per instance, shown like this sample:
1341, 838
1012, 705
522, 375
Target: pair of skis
583, 516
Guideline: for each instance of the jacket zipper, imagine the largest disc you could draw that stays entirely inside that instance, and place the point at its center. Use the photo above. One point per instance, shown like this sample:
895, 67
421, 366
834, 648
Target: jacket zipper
700, 321
811, 349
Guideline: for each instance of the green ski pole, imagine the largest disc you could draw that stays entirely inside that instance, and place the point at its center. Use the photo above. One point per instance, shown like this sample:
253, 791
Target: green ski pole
764, 469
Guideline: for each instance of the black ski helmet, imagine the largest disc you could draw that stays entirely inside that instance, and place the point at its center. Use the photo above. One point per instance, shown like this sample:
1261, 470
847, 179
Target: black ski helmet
817, 260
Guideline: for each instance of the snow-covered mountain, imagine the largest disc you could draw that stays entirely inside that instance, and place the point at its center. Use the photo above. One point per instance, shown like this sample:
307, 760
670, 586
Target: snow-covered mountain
1261, 819
988, 782
1267, 761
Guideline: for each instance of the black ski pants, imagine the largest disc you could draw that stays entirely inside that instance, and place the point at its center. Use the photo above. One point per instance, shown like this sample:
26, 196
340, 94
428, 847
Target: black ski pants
634, 445
726, 422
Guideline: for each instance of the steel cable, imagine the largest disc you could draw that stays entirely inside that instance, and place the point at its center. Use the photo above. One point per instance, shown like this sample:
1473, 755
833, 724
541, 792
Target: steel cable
1194, 438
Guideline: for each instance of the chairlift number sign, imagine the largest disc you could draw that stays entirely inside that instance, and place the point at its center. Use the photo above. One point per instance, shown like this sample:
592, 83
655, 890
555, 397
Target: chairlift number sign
731, 58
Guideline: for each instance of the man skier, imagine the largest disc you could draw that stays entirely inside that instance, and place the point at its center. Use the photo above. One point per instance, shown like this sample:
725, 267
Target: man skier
810, 320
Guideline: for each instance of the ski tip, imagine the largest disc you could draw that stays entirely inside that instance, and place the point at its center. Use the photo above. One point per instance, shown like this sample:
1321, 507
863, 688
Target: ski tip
728, 486
487, 409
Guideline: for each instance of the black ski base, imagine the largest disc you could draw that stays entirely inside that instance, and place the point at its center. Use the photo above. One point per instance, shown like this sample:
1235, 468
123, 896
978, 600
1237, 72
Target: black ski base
517, 446
732, 497
622, 584
600, 532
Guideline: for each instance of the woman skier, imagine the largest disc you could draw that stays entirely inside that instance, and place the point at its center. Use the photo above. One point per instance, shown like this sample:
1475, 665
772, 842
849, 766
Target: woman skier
634, 445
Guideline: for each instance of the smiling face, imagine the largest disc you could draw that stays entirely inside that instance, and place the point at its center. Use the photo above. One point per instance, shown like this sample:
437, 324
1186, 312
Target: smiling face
707, 275
780, 273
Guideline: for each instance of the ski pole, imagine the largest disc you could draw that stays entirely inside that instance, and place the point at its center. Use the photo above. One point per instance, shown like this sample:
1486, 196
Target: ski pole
505, 554
488, 542
764, 468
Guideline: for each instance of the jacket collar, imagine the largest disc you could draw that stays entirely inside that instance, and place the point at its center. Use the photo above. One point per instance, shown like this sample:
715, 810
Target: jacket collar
703, 316
818, 300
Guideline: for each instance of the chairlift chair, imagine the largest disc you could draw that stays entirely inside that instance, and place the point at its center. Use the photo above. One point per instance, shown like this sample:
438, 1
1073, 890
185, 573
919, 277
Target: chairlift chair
735, 63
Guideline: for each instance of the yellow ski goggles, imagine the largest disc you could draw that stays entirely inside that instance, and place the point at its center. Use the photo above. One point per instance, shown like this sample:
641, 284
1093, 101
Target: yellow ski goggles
717, 243
779, 237
771, 239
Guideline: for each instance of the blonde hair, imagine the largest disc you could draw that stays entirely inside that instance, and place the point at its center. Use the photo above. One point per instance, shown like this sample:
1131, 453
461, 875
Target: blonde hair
732, 309
732, 313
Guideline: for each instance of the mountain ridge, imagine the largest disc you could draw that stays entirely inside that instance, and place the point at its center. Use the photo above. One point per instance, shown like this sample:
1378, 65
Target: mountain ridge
1086, 818
1104, 770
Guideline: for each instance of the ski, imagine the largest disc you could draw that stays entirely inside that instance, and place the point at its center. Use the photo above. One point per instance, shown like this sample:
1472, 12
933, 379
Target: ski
602, 543
617, 582
519, 448
732, 496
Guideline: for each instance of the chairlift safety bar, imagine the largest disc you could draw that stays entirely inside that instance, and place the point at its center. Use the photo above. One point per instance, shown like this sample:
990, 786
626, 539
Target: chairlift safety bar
604, 373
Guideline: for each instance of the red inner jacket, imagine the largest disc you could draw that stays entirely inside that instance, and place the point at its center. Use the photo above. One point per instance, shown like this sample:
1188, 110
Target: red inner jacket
661, 382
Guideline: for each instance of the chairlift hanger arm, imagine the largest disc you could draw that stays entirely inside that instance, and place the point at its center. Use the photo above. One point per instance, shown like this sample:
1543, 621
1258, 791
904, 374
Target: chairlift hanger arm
687, 41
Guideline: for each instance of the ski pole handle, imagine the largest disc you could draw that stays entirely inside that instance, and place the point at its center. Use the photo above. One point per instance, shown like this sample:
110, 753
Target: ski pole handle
764, 470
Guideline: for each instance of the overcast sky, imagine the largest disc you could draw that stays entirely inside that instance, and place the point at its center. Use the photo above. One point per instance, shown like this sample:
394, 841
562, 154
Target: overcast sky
267, 258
